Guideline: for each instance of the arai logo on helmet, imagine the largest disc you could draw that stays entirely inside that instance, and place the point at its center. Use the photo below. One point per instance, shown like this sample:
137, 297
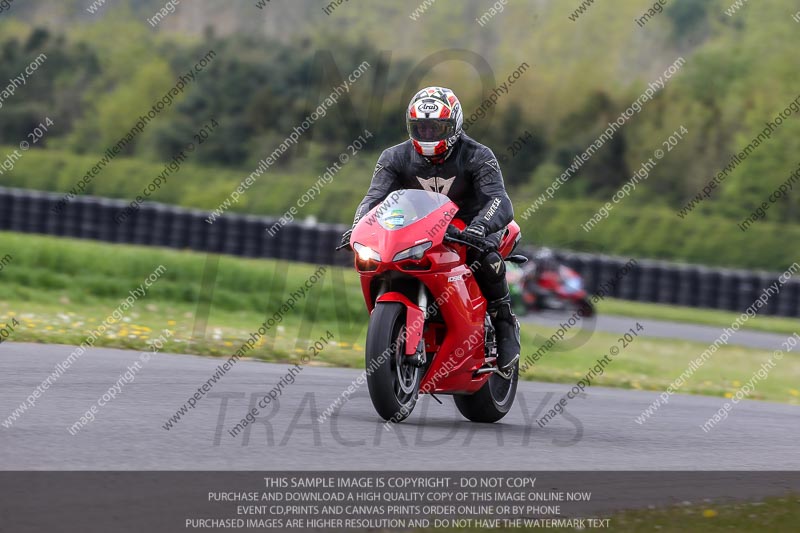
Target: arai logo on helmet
428, 107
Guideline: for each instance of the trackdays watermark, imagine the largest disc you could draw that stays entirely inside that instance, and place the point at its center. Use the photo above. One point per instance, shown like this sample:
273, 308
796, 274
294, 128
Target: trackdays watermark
475, 339
288, 378
306, 428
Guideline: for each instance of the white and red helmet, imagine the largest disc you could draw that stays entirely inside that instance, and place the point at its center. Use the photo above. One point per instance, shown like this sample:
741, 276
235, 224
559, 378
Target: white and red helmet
434, 120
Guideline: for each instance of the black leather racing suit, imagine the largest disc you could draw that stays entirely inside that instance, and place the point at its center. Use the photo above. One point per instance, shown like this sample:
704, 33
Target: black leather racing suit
471, 178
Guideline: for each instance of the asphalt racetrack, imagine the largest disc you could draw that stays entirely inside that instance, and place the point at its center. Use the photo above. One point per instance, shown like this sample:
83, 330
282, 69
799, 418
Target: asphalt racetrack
597, 432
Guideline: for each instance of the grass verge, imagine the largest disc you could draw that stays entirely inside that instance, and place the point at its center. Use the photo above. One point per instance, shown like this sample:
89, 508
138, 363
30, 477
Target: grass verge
59, 290
694, 315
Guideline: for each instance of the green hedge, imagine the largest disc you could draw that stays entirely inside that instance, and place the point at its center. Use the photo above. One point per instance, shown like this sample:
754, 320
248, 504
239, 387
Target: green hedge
656, 232
630, 230
203, 187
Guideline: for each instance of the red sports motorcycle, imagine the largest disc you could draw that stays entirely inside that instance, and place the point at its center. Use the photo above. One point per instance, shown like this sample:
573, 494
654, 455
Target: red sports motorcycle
560, 289
429, 332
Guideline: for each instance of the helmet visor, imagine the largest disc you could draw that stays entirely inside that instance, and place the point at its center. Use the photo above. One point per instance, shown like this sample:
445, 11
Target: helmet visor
430, 129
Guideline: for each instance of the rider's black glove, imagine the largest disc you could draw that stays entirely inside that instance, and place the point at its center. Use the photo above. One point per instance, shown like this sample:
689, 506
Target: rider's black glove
474, 237
476, 232
346, 239
454, 232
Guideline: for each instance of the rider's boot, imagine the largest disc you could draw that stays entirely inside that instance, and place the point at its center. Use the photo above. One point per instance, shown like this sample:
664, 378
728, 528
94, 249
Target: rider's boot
507, 332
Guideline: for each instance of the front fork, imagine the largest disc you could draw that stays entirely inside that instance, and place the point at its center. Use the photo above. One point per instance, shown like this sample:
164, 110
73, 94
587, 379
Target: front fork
416, 315
420, 358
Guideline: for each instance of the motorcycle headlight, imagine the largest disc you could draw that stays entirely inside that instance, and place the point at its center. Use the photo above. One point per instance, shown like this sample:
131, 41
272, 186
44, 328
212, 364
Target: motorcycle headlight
415, 252
365, 253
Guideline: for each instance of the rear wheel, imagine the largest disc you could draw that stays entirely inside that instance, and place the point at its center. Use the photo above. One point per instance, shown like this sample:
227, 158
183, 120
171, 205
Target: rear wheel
492, 401
393, 383
586, 307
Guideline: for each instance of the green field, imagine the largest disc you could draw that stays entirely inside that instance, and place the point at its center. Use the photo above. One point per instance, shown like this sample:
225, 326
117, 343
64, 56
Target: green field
693, 315
60, 289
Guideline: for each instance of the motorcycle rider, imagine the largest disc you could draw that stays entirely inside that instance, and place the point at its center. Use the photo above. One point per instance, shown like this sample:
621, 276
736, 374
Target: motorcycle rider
543, 262
440, 157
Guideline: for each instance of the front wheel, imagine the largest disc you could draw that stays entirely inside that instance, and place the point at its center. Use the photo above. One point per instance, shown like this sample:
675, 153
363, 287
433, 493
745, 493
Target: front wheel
393, 383
492, 401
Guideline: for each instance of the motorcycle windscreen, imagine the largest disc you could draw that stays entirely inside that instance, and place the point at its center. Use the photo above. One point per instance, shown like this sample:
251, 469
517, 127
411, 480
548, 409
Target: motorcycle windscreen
404, 207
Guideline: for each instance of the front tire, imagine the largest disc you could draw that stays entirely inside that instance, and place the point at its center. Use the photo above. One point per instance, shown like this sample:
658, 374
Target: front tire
493, 401
393, 384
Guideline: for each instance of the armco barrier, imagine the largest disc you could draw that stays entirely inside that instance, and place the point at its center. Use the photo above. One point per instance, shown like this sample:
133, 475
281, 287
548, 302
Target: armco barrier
87, 217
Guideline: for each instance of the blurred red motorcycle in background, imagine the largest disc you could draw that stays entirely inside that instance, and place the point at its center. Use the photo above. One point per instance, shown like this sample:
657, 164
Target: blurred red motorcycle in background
544, 284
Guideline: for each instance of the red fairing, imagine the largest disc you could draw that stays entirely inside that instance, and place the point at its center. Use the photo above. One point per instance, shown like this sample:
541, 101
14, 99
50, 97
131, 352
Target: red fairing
554, 282
457, 346
415, 319
510, 239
